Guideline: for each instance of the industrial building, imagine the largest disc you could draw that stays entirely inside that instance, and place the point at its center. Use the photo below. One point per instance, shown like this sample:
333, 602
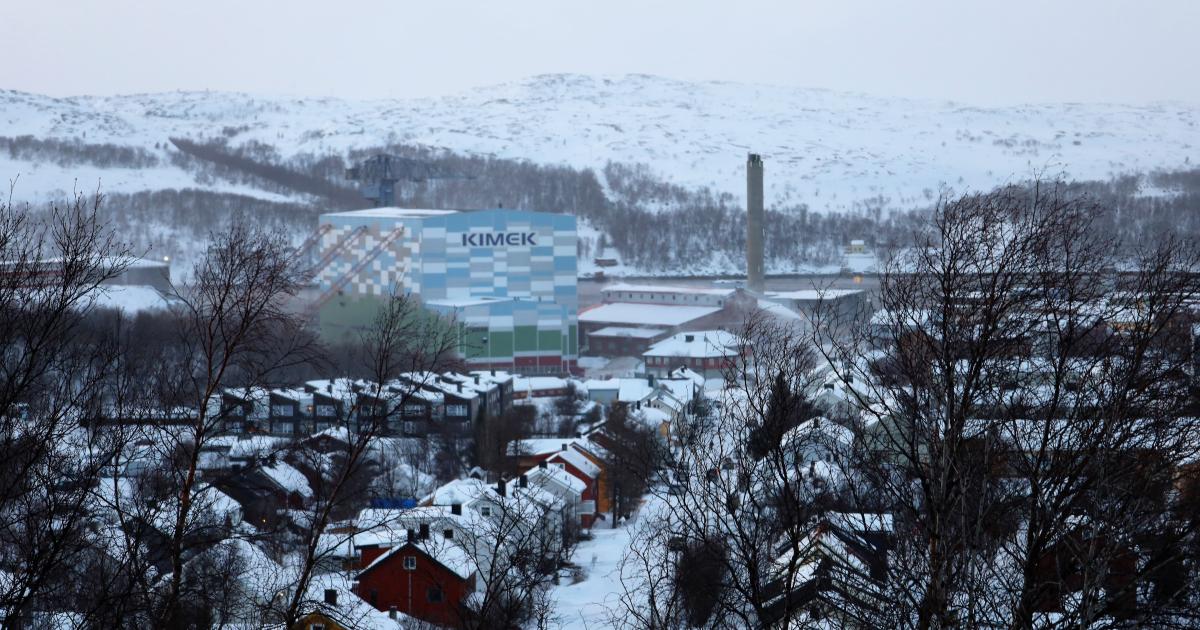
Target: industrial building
830, 303
506, 277
634, 316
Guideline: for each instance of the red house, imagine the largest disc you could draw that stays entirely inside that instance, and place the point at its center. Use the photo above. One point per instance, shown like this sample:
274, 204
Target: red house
582, 468
427, 577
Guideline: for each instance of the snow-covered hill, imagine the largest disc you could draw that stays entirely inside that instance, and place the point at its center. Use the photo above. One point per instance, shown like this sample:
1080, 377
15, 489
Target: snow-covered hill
827, 149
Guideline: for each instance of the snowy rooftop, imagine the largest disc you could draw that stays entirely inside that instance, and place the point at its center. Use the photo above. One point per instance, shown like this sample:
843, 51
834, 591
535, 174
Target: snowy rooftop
539, 446
578, 460
683, 389
634, 390
391, 213
342, 388
650, 314
651, 417
779, 310
662, 288
686, 373
425, 381
621, 331
541, 477
470, 383
812, 295
296, 394
461, 491
492, 376
700, 344
597, 385
446, 552
538, 383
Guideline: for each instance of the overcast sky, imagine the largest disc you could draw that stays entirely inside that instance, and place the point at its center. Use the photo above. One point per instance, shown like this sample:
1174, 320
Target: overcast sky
994, 52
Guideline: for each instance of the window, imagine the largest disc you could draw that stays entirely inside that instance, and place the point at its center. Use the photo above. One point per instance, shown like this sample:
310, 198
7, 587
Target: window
485, 510
410, 427
325, 410
434, 594
316, 626
448, 534
456, 410
414, 410
282, 410
410, 563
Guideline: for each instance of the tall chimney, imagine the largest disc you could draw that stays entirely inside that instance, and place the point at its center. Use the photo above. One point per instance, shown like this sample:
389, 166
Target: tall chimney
754, 222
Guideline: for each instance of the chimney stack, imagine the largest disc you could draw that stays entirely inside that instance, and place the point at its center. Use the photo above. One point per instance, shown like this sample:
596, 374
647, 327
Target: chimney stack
754, 223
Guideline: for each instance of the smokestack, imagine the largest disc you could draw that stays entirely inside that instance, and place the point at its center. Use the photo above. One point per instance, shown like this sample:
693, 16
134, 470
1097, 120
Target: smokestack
754, 222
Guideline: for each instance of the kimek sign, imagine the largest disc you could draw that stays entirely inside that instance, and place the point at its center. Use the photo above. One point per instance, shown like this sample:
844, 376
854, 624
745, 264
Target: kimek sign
477, 239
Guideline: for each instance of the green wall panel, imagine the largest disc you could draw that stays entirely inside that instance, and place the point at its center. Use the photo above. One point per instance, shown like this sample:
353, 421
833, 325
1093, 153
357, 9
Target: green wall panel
502, 343
550, 339
526, 338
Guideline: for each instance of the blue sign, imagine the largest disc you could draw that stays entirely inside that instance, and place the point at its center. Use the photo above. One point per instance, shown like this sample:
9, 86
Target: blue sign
392, 503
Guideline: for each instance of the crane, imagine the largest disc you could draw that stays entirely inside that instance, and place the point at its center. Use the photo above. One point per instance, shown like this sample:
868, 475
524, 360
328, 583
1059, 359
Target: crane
378, 174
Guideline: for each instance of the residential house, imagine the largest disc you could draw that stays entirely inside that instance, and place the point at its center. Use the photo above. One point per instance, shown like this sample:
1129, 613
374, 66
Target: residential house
290, 412
332, 402
622, 341
531, 451
566, 489
575, 463
461, 401
541, 387
426, 577
603, 391
243, 410
337, 607
835, 562
582, 461
709, 353
374, 407
499, 399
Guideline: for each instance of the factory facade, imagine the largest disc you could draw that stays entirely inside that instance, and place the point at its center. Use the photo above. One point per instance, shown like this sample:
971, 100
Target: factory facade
506, 278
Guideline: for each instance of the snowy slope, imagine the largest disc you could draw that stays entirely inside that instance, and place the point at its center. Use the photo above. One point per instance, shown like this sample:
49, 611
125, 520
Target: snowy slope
827, 149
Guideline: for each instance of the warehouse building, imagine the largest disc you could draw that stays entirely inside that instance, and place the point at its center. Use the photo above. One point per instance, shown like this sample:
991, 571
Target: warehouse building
634, 316
506, 278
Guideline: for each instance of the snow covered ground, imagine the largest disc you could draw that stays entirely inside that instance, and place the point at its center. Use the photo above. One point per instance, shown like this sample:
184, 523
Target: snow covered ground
593, 602
832, 150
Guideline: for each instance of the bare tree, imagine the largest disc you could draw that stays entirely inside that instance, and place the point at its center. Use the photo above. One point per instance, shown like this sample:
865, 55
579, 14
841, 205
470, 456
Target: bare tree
235, 329
632, 451
744, 495
404, 341
54, 370
518, 550
1021, 395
